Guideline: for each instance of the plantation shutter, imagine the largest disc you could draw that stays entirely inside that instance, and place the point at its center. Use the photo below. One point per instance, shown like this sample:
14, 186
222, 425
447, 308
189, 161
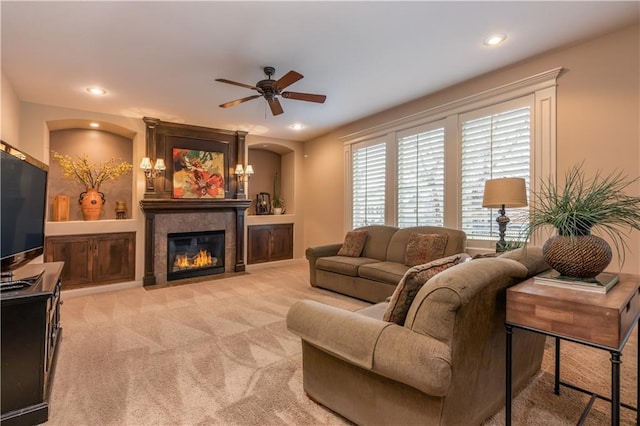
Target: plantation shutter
421, 178
369, 184
493, 146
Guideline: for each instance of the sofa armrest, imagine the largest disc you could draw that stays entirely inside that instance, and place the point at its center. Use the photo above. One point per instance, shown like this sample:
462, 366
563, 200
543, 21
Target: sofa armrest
414, 359
313, 253
343, 333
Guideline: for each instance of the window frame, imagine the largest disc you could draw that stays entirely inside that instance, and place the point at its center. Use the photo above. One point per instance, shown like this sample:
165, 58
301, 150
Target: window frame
542, 87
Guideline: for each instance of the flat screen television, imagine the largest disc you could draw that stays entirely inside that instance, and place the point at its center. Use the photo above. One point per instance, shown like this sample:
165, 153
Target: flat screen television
23, 205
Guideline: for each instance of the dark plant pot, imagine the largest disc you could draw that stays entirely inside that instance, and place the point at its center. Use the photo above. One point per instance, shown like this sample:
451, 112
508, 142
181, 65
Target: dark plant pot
584, 256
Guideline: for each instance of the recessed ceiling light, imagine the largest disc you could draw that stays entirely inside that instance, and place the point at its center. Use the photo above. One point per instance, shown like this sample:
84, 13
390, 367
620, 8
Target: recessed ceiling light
494, 39
297, 126
96, 91
94, 124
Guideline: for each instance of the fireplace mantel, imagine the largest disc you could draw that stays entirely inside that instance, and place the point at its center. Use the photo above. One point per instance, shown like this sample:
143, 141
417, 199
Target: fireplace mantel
162, 205
152, 207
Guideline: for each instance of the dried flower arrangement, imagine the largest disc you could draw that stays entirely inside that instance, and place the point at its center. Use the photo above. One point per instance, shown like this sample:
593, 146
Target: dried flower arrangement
91, 175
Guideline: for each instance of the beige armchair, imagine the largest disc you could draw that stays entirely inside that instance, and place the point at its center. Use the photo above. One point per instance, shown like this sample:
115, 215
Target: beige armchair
445, 366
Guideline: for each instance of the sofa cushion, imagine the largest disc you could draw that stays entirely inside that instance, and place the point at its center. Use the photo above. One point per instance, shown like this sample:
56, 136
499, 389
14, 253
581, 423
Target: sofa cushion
353, 243
397, 247
386, 272
423, 248
344, 265
413, 281
378, 237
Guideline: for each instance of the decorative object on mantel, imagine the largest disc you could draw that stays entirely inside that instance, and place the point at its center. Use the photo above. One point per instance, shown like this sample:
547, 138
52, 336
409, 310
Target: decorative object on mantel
91, 176
243, 174
500, 193
278, 204
580, 207
152, 169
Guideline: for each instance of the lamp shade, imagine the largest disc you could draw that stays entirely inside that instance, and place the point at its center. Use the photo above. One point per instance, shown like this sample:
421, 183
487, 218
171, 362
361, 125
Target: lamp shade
239, 169
249, 170
160, 164
145, 164
508, 192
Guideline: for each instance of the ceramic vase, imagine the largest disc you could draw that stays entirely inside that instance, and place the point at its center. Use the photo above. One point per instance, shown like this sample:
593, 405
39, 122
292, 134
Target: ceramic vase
91, 202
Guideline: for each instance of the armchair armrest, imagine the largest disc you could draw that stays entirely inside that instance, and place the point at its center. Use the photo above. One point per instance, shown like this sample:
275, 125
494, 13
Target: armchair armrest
381, 347
313, 253
343, 333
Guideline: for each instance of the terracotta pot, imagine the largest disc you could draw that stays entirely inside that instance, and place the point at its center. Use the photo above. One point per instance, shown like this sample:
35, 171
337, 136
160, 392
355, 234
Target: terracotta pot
91, 202
583, 257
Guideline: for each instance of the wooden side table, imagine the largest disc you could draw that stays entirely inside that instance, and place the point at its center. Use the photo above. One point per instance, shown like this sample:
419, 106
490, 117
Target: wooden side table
603, 321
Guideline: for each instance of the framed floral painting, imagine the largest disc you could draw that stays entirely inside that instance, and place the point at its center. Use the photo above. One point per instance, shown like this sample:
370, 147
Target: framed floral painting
198, 174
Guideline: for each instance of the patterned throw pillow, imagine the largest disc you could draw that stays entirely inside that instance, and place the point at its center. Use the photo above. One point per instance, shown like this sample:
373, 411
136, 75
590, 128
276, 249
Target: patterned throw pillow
353, 243
411, 283
423, 248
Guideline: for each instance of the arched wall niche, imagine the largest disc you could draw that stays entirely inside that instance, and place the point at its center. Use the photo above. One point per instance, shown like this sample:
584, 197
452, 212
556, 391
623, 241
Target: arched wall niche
76, 137
267, 158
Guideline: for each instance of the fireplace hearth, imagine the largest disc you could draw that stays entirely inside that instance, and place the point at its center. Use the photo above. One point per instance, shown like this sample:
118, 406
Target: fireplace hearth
195, 254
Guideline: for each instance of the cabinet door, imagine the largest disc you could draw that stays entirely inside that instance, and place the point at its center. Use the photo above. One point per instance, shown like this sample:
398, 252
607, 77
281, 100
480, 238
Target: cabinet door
114, 258
76, 253
281, 242
258, 241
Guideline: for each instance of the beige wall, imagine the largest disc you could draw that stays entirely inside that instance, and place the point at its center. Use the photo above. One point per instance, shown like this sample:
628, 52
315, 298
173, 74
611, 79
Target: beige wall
598, 119
10, 120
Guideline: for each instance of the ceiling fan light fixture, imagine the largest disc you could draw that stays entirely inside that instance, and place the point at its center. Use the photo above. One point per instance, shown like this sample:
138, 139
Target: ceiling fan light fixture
494, 39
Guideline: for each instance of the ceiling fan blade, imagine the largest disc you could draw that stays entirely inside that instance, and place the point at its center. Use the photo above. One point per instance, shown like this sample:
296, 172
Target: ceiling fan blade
235, 83
288, 79
276, 108
239, 101
309, 97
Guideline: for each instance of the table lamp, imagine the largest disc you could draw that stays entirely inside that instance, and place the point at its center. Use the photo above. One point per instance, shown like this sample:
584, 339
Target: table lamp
500, 193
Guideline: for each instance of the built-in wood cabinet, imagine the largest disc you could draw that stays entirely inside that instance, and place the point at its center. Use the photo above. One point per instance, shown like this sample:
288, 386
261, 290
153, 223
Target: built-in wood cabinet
266, 243
93, 259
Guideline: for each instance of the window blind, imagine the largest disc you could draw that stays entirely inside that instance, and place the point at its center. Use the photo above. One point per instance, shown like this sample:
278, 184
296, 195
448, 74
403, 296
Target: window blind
493, 146
421, 179
369, 184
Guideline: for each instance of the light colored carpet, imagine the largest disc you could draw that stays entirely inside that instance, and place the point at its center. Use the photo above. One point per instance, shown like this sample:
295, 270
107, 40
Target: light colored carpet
218, 353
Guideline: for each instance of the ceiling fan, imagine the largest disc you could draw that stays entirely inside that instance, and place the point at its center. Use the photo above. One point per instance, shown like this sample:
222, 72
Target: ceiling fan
270, 89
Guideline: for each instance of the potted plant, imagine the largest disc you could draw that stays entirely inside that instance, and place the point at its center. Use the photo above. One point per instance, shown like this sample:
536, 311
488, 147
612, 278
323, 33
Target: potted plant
580, 207
278, 204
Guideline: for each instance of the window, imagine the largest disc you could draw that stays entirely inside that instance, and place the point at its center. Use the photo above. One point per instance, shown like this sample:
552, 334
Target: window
420, 187
429, 168
369, 184
493, 145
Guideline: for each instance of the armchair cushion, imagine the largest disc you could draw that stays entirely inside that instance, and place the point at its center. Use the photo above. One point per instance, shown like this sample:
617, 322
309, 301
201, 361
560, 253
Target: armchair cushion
423, 248
413, 281
353, 243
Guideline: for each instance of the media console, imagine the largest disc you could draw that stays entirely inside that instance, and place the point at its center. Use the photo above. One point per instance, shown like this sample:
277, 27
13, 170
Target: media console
30, 335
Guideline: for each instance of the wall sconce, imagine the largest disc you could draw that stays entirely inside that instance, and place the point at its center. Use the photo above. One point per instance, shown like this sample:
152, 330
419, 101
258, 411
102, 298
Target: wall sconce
243, 174
500, 193
152, 170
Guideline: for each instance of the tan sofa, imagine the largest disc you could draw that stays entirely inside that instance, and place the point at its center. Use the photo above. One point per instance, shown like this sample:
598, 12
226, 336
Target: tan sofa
375, 274
445, 366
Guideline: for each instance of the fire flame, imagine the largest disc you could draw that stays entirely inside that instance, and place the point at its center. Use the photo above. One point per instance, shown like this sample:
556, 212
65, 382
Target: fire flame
201, 260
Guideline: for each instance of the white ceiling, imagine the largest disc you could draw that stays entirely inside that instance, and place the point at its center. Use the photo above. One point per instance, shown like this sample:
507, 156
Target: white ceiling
160, 59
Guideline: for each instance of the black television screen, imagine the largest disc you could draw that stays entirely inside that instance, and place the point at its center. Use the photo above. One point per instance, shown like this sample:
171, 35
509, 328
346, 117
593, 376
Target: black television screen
23, 202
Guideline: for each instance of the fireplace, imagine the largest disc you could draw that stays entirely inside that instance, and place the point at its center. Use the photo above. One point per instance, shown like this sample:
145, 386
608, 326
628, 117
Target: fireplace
194, 254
